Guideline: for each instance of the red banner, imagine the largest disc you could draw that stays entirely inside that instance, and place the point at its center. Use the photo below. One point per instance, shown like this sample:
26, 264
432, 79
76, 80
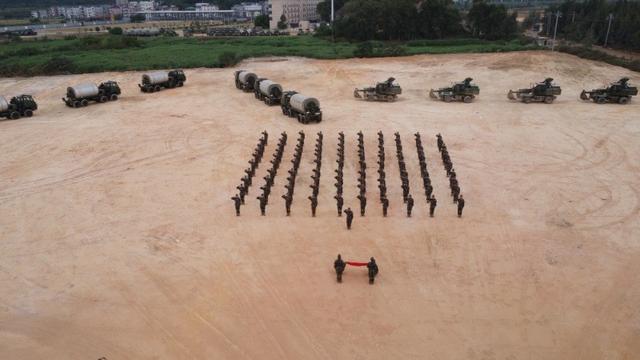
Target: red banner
355, 263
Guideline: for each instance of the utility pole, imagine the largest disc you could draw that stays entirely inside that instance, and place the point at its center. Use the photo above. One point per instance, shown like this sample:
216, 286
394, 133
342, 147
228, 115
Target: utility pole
555, 31
606, 39
332, 11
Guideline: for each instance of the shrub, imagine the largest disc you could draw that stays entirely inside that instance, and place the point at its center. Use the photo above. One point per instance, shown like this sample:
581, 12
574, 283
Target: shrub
364, 49
58, 65
228, 58
116, 31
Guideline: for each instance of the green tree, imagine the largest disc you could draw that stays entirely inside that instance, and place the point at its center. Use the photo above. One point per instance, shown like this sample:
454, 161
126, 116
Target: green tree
324, 8
437, 19
491, 22
115, 31
282, 24
261, 21
377, 19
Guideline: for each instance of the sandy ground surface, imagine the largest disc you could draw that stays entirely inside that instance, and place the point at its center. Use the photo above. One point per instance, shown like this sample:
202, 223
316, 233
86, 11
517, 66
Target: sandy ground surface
118, 235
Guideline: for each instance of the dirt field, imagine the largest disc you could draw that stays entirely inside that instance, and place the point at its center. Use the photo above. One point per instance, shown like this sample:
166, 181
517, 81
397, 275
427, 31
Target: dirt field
118, 236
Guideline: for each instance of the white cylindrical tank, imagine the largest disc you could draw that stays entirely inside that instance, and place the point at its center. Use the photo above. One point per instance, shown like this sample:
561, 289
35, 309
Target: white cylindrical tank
82, 91
301, 102
246, 76
267, 87
4, 104
154, 78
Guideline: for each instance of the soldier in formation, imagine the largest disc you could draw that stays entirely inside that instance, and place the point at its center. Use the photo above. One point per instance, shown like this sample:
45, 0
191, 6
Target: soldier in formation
245, 182
404, 175
315, 186
424, 172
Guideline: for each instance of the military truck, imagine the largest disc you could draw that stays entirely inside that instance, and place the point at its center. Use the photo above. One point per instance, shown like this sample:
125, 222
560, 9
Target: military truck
17, 107
545, 92
268, 91
245, 80
463, 91
155, 81
383, 91
618, 92
306, 109
80, 95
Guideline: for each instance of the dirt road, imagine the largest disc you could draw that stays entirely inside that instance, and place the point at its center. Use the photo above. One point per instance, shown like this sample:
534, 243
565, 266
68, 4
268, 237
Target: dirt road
118, 236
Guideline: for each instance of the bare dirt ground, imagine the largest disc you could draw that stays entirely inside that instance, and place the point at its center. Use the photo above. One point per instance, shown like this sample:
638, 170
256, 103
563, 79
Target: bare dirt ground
118, 236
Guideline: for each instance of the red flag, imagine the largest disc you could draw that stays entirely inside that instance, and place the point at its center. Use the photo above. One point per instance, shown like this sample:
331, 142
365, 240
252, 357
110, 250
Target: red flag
355, 263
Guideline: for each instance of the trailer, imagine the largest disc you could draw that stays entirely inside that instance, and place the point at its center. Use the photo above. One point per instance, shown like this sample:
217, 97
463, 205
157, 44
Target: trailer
81, 95
156, 81
306, 109
245, 80
268, 91
17, 107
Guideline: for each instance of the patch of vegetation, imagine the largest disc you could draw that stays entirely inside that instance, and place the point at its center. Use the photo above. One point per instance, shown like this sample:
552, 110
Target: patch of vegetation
119, 53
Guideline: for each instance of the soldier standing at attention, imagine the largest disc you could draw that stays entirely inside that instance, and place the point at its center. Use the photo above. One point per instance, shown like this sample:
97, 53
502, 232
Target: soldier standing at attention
349, 214
263, 204
339, 202
237, 201
339, 265
314, 204
409, 205
373, 269
363, 203
385, 206
432, 206
460, 205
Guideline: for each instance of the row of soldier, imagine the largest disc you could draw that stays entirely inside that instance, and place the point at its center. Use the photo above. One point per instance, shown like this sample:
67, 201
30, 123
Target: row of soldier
293, 172
362, 174
404, 175
247, 179
382, 181
271, 173
315, 186
451, 174
424, 172
339, 184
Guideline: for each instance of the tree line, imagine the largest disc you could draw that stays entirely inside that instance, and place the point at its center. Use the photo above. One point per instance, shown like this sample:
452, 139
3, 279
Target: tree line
587, 22
410, 19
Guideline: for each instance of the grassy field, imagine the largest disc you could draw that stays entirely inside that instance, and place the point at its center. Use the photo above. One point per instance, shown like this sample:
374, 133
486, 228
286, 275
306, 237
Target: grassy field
115, 53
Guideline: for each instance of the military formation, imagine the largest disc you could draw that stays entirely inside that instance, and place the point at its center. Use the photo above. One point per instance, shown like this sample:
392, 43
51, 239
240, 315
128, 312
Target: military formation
271, 174
315, 177
451, 174
293, 172
408, 199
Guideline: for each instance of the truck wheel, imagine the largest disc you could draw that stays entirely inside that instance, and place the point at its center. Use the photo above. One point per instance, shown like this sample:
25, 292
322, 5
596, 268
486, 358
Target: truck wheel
113, 97
76, 104
623, 100
467, 99
103, 99
601, 100
28, 113
548, 100
14, 115
180, 83
84, 102
156, 88
446, 98
526, 100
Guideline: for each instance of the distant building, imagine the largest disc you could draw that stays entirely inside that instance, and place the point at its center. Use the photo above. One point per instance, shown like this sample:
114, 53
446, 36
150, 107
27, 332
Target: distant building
296, 12
205, 7
248, 10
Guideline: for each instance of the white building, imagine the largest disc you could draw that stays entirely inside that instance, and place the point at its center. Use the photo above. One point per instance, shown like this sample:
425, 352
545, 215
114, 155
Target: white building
297, 12
206, 7
146, 5
248, 10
